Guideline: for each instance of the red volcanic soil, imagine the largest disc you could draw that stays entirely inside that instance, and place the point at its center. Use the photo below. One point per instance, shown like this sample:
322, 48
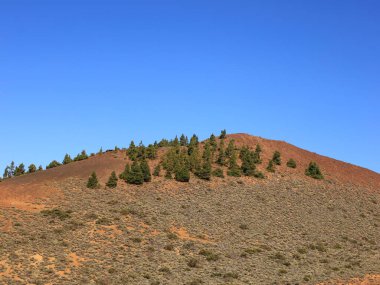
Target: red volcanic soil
21, 191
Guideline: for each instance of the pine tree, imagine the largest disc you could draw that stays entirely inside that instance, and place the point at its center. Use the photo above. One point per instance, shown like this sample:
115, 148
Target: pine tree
207, 152
151, 151
32, 168
175, 142
230, 148
132, 151
141, 151
157, 170
125, 173
20, 170
233, 169
291, 163
100, 152
145, 170
222, 155
67, 159
40, 168
7, 172
205, 171
135, 176
270, 166
193, 144
183, 141
313, 171
257, 155
223, 134
53, 164
82, 156
182, 174
112, 180
195, 159
93, 182
276, 158
248, 166
213, 143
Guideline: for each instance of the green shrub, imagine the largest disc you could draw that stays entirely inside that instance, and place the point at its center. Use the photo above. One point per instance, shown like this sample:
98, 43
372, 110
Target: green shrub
223, 134
291, 163
20, 170
233, 169
93, 182
112, 180
313, 171
82, 156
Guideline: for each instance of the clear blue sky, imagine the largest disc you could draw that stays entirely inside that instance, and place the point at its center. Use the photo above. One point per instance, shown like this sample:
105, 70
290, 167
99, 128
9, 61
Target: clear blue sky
84, 74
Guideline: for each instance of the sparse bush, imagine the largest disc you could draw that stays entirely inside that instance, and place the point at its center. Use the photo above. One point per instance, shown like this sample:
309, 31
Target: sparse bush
192, 262
313, 171
93, 182
112, 180
291, 163
210, 256
56, 213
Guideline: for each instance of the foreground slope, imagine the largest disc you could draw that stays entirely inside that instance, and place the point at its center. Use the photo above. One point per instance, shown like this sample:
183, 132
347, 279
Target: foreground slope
285, 229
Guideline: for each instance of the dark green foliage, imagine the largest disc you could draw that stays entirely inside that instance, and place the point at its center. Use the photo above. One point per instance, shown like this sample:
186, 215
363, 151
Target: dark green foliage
40, 168
195, 159
32, 168
248, 166
183, 140
67, 159
204, 172
193, 144
207, 154
151, 152
270, 166
257, 155
163, 143
259, 174
233, 168
213, 143
223, 134
112, 180
291, 163
53, 164
125, 173
313, 171
135, 175
145, 171
230, 148
20, 170
218, 172
132, 151
175, 142
141, 151
222, 155
93, 182
157, 170
276, 158
182, 174
82, 156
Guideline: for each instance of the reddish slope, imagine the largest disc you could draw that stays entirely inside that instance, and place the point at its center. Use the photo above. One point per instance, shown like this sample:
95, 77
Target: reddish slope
20, 191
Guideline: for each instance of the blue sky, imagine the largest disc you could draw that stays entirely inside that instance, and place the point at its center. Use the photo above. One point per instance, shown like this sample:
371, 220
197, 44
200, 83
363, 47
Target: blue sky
84, 74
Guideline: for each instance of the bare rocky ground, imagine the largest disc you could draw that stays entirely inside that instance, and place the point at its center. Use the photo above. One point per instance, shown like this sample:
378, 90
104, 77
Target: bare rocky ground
235, 231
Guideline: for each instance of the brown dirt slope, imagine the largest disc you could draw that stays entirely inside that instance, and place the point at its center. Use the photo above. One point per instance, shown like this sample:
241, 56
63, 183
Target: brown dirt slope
21, 191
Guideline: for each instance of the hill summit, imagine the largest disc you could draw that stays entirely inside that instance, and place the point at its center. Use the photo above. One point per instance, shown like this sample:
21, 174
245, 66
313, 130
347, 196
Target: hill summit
233, 209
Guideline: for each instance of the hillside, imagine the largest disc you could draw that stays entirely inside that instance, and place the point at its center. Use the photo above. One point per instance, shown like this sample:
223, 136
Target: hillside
287, 228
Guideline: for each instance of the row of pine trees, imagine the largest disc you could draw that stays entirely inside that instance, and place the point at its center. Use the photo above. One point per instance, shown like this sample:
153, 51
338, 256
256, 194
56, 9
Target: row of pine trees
183, 157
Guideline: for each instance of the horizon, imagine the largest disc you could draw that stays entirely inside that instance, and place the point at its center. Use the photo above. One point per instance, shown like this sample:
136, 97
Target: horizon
80, 76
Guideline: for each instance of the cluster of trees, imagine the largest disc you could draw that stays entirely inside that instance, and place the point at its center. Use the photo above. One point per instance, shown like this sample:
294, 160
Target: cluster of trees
14, 170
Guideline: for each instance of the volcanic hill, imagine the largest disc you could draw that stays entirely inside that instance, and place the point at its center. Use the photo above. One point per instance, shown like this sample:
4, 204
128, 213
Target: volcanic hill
283, 228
